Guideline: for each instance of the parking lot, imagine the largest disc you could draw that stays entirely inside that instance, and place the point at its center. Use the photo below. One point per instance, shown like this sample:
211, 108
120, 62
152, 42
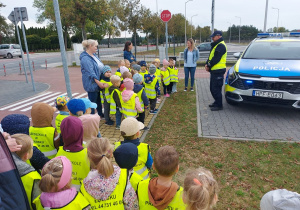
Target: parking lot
245, 121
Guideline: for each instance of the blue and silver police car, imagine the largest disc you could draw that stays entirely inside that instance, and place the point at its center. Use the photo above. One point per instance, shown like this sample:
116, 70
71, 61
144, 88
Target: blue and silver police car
268, 72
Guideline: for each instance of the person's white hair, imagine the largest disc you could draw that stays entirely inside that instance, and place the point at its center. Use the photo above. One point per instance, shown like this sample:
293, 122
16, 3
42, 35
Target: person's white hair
89, 42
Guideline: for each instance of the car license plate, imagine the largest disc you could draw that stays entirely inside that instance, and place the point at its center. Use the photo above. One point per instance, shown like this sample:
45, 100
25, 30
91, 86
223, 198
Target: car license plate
267, 94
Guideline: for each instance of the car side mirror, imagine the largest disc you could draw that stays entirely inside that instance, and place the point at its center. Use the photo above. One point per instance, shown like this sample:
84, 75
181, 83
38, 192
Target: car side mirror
237, 55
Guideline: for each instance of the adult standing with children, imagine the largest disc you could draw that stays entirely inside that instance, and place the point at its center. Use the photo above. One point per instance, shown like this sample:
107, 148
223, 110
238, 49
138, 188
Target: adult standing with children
91, 69
191, 55
127, 52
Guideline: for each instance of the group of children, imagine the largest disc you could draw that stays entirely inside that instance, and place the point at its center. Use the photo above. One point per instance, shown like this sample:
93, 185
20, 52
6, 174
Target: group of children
80, 173
134, 87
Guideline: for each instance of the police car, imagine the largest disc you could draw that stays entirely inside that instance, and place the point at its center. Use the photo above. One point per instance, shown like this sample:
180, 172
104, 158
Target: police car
268, 72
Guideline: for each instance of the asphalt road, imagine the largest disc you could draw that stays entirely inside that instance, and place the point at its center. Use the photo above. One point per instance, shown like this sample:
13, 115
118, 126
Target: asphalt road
12, 66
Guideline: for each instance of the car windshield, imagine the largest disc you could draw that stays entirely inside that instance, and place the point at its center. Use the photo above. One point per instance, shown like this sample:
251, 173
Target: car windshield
274, 50
16, 46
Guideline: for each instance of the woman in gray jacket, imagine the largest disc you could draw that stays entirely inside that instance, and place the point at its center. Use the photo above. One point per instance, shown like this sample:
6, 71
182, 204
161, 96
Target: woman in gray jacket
191, 55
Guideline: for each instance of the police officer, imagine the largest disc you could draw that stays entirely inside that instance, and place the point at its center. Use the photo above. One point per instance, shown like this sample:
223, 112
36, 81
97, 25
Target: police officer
216, 65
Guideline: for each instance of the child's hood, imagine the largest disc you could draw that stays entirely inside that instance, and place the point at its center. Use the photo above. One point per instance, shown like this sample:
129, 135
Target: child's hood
98, 186
58, 199
137, 88
72, 133
23, 167
90, 123
42, 115
126, 95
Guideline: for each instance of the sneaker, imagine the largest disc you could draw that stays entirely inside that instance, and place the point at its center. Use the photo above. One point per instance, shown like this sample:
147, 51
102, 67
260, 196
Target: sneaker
156, 110
167, 95
117, 127
152, 112
145, 128
109, 123
185, 89
192, 89
216, 108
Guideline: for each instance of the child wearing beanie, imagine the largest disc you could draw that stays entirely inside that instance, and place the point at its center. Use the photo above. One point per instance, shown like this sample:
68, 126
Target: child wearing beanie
76, 107
165, 77
151, 88
105, 96
140, 91
61, 104
136, 68
143, 70
129, 100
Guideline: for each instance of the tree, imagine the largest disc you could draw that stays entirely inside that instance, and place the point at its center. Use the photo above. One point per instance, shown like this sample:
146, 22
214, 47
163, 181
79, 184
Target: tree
112, 25
147, 24
280, 29
3, 25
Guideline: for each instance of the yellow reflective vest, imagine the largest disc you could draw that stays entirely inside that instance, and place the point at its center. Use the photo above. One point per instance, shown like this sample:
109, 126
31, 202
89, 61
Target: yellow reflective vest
139, 94
158, 75
105, 91
79, 202
128, 107
115, 200
222, 62
140, 167
80, 165
143, 74
173, 74
118, 73
135, 179
166, 76
150, 89
59, 118
44, 139
29, 180
113, 105
145, 204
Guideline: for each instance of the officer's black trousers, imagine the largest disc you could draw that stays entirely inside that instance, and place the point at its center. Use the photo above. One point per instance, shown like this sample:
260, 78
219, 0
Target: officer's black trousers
216, 83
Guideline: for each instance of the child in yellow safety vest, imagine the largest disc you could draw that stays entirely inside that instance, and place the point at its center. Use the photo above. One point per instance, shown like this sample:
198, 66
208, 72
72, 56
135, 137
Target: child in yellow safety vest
127, 64
55, 185
120, 63
126, 156
105, 96
130, 131
140, 91
115, 104
76, 107
43, 134
173, 76
29, 176
165, 77
156, 62
107, 186
152, 88
143, 70
130, 102
72, 135
161, 192
61, 104
200, 189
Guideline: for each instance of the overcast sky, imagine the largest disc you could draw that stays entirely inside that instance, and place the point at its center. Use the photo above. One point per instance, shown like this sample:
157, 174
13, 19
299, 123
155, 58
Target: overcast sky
252, 12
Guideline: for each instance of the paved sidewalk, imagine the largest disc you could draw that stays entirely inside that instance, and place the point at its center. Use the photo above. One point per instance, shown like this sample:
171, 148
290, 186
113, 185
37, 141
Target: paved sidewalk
245, 122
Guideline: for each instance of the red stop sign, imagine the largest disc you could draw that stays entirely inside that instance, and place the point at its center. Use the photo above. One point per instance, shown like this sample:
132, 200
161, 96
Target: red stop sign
165, 15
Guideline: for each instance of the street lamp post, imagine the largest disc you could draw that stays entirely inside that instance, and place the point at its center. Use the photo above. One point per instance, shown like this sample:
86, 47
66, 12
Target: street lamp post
277, 17
239, 29
192, 25
185, 21
229, 31
266, 17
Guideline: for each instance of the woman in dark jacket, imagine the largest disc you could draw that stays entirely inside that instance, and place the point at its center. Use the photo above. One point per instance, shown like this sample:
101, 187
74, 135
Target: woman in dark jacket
91, 69
127, 52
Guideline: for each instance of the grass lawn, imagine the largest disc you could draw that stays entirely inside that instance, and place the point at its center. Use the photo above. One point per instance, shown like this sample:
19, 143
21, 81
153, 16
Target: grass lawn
245, 170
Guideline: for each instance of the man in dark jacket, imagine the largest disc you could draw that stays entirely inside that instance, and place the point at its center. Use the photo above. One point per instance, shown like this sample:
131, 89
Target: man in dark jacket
216, 65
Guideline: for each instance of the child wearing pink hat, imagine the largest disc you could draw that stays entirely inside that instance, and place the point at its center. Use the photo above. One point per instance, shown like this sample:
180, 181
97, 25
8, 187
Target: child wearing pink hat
56, 187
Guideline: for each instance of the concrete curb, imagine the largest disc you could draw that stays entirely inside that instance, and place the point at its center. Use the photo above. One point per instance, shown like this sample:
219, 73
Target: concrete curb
246, 139
152, 121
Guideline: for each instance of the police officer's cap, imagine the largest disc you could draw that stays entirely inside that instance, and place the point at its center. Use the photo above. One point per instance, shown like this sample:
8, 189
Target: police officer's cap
216, 33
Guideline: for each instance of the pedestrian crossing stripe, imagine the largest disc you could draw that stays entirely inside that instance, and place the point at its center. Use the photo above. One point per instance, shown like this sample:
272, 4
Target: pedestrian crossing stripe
46, 97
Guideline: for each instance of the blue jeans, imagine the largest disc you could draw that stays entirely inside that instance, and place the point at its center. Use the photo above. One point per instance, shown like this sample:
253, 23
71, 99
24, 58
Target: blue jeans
118, 117
95, 98
187, 71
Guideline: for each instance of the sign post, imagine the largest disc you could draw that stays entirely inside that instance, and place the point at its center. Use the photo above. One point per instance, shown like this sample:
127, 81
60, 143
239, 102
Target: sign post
165, 16
13, 19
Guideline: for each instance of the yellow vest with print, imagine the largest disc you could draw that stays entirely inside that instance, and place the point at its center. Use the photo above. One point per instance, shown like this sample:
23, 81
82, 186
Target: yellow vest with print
28, 181
145, 204
139, 94
105, 91
79, 202
80, 165
59, 118
113, 105
222, 62
115, 200
158, 75
173, 74
150, 89
140, 167
143, 74
135, 179
128, 107
44, 139
166, 77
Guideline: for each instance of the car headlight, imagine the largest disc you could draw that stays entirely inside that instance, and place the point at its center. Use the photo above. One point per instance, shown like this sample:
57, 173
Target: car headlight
231, 76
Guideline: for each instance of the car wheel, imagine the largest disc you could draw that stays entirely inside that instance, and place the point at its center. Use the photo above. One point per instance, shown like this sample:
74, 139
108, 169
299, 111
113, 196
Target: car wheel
9, 55
230, 102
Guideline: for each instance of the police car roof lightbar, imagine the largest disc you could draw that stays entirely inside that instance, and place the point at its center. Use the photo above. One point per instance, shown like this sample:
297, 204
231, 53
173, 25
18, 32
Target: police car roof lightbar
285, 34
